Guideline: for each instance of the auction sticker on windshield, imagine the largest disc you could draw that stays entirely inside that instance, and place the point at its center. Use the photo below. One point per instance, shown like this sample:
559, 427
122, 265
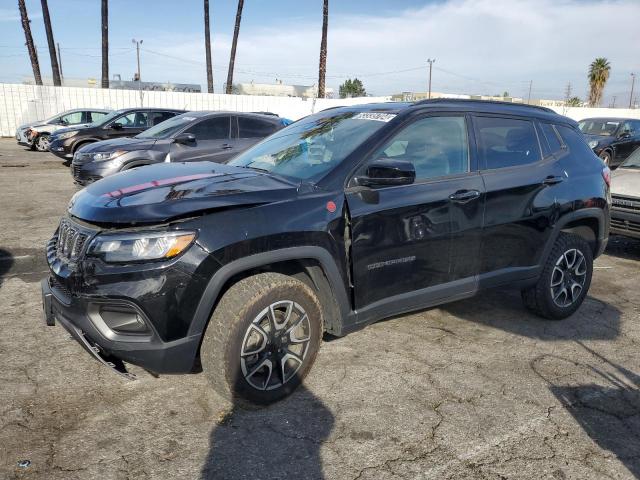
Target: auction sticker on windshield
377, 116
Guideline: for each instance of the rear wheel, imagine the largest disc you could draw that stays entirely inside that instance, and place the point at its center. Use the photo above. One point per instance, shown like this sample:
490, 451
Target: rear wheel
41, 143
565, 279
262, 339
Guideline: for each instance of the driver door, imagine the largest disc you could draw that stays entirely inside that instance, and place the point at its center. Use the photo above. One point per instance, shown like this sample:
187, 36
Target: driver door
131, 124
413, 244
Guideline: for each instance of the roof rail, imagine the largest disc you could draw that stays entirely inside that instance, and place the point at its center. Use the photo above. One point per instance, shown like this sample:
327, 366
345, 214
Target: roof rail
473, 100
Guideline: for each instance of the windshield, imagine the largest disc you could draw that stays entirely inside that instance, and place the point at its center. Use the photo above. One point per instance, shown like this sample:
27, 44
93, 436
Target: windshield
599, 126
167, 128
633, 161
310, 148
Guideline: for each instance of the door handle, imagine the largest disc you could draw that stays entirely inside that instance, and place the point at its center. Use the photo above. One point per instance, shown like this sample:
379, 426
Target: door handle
464, 196
226, 146
552, 180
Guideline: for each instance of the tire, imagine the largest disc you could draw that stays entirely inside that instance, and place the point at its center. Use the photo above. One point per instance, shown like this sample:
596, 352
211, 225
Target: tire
606, 157
241, 343
569, 263
41, 143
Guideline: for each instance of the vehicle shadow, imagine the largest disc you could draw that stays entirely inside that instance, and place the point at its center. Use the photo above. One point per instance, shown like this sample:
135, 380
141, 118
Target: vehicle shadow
624, 247
6, 262
275, 442
607, 408
503, 309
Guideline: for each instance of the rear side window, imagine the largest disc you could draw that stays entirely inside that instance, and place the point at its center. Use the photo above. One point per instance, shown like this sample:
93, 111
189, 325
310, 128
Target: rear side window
575, 141
159, 117
216, 128
552, 137
506, 142
254, 127
95, 116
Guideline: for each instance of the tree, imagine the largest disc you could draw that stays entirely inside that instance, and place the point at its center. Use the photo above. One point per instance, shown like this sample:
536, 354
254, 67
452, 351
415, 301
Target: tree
52, 45
598, 75
207, 47
234, 45
352, 88
322, 70
105, 44
33, 54
574, 102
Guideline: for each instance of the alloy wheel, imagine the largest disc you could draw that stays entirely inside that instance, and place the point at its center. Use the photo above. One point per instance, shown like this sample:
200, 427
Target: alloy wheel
42, 143
275, 345
568, 277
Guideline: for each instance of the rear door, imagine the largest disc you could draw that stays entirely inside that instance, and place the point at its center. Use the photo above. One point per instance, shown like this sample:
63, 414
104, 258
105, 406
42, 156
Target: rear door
520, 196
213, 142
419, 241
252, 129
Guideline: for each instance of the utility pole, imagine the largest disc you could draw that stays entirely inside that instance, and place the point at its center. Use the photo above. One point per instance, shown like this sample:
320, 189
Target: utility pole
138, 43
33, 53
529, 96
613, 103
52, 46
60, 62
430, 61
633, 84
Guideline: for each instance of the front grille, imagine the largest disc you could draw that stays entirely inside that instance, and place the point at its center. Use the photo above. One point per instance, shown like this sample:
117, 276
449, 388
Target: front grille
626, 225
71, 241
625, 203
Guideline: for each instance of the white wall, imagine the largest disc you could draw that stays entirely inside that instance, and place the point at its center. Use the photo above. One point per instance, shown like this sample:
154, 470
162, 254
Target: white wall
26, 103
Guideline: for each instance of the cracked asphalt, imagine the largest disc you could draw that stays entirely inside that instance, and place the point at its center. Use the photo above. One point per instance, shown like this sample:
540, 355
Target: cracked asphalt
477, 389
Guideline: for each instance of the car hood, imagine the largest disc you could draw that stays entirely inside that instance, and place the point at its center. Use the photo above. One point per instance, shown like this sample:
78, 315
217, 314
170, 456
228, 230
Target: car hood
119, 144
161, 192
626, 182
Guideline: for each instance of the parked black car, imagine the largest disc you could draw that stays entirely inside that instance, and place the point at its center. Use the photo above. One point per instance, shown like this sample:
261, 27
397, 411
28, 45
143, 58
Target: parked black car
193, 136
612, 139
121, 123
343, 218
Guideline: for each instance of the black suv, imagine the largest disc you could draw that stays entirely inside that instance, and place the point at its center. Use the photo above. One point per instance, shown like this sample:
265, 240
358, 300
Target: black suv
121, 123
193, 136
612, 139
345, 217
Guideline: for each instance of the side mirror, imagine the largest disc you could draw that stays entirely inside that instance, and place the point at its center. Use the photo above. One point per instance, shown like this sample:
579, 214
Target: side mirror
185, 138
116, 126
386, 172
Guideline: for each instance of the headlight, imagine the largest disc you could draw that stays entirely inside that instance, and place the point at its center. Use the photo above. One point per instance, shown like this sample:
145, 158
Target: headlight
137, 247
593, 143
104, 156
65, 135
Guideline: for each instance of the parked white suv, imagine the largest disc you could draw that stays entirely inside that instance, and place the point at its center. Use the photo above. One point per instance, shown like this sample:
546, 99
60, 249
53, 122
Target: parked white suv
625, 197
36, 134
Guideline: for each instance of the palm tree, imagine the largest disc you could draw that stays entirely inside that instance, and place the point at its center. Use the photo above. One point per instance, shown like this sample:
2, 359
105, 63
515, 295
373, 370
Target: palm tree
207, 47
52, 45
322, 71
105, 44
598, 75
234, 45
33, 54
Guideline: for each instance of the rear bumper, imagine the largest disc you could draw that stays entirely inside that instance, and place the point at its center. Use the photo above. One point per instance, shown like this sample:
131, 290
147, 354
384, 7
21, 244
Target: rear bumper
624, 222
74, 313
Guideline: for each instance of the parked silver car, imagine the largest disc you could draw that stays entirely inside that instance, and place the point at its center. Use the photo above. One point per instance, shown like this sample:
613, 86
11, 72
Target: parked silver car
36, 134
625, 197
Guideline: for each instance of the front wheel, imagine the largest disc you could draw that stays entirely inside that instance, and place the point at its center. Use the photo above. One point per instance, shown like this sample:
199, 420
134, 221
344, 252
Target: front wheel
262, 339
606, 158
41, 143
565, 279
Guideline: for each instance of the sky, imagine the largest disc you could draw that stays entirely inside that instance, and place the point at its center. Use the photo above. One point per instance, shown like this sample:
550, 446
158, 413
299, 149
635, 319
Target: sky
480, 46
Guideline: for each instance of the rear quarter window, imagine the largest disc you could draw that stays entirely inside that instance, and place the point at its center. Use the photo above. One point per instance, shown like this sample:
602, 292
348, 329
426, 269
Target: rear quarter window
575, 141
